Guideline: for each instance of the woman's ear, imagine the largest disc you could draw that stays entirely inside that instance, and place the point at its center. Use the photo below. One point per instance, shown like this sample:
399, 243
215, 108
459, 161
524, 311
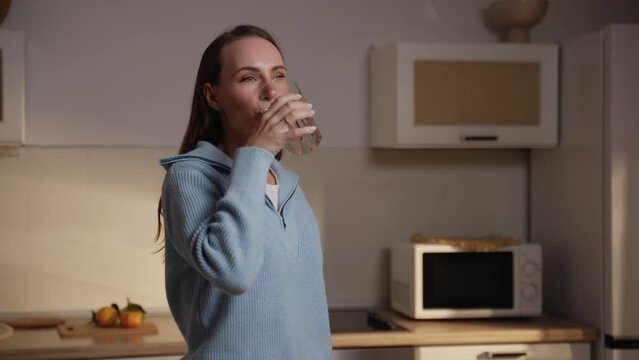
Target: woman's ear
209, 95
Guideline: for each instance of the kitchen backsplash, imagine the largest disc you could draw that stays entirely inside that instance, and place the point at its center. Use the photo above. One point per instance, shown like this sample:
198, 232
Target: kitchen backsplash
77, 224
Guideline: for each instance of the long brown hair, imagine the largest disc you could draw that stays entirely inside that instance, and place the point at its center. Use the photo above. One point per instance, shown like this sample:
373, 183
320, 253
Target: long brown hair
205, 123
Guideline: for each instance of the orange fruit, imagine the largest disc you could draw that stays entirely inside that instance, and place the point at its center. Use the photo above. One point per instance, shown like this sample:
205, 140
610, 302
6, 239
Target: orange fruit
106, 316
131, 319
132, 315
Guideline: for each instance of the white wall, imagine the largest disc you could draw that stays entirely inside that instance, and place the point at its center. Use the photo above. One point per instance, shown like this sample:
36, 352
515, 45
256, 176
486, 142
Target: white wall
76, 223
76, 228
368, 200
107, 72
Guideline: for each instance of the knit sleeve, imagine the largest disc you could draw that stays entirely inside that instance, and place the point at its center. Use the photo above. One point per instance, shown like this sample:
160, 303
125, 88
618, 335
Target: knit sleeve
219, 234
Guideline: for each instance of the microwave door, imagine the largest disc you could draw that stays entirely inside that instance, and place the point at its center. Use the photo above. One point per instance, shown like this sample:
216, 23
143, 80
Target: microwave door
468, 280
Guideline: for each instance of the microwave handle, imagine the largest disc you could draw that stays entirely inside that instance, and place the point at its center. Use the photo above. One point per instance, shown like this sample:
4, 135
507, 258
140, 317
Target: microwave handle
502, 355
479, 138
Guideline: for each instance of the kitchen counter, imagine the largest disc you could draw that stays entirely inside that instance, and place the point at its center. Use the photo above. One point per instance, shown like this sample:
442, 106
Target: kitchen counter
542, 329
46, 343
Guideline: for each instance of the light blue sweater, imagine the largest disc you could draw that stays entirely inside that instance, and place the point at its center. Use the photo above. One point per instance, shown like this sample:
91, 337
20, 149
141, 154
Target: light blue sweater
243, 280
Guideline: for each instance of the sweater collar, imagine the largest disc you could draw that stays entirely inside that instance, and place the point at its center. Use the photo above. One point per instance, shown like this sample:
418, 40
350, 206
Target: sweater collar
286, 179
203, 151
209, 153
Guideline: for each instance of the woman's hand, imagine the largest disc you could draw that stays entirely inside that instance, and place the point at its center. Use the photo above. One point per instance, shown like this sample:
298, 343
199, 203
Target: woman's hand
275, 130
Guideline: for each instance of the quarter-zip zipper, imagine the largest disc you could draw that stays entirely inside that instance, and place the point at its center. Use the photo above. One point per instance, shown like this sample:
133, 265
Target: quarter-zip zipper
280, 213
288, 198
272, 207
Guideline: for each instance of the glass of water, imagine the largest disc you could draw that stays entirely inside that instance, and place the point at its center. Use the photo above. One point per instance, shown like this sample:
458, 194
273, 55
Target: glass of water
298, 146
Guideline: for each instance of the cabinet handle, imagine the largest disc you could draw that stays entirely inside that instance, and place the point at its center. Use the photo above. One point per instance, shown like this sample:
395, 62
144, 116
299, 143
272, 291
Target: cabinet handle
479, 138
504, 355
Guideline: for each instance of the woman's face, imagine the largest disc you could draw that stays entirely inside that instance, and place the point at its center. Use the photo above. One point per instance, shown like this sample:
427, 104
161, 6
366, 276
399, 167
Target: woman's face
247, 65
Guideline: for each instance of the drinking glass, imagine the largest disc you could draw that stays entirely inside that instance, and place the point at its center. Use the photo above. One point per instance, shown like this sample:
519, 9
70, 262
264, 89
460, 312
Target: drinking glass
276, 88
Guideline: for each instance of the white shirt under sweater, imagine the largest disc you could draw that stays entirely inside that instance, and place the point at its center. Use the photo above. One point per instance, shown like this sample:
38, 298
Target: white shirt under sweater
271, 192
273, 189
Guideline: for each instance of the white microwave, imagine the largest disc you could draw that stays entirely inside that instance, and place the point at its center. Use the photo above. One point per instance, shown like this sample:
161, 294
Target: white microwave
430, 281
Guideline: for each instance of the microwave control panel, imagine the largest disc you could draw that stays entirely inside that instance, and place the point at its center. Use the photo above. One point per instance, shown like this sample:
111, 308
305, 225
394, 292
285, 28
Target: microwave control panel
530, 279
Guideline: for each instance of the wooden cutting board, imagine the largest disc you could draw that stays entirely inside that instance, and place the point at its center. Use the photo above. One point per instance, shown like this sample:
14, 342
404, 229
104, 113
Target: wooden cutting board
486, 243
35, 322
75, 330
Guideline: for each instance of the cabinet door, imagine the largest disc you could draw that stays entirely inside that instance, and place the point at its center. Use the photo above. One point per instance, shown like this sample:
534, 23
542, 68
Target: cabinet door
554, 351
464, 95
11, 87
398, 353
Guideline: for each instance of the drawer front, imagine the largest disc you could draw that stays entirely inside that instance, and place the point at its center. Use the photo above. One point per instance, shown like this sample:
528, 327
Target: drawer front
555, 351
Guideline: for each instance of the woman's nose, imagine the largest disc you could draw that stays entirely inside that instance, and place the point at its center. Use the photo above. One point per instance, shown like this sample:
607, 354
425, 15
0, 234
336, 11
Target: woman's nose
269, 91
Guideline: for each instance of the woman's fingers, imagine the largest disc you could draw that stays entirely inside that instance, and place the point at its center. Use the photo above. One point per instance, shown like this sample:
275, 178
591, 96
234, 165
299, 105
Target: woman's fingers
281, 122
290, 111
279, 102
289, 114
293, 118
282, 127
299, 132
294, 124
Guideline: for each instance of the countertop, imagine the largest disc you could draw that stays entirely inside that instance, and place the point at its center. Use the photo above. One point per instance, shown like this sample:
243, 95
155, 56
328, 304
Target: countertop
46, 343
545, 328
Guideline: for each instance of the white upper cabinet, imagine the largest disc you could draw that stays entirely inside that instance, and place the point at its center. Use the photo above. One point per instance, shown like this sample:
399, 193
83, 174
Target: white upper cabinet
11, 88
464, 95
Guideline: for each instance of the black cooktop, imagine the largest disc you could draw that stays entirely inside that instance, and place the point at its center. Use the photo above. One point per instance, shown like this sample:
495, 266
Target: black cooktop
353, 321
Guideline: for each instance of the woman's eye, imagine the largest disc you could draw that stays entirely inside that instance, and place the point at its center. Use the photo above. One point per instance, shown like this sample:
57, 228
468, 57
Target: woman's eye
249, 78
280, 76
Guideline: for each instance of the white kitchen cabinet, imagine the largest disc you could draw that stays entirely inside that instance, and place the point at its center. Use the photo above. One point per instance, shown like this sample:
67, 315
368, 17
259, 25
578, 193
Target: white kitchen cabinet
11, 87
537, 351
464, 95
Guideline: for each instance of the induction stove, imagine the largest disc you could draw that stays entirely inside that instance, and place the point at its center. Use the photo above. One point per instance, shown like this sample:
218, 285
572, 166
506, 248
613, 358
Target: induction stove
359, 320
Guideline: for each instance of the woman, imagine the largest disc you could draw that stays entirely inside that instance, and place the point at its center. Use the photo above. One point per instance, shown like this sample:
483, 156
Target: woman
243, 268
